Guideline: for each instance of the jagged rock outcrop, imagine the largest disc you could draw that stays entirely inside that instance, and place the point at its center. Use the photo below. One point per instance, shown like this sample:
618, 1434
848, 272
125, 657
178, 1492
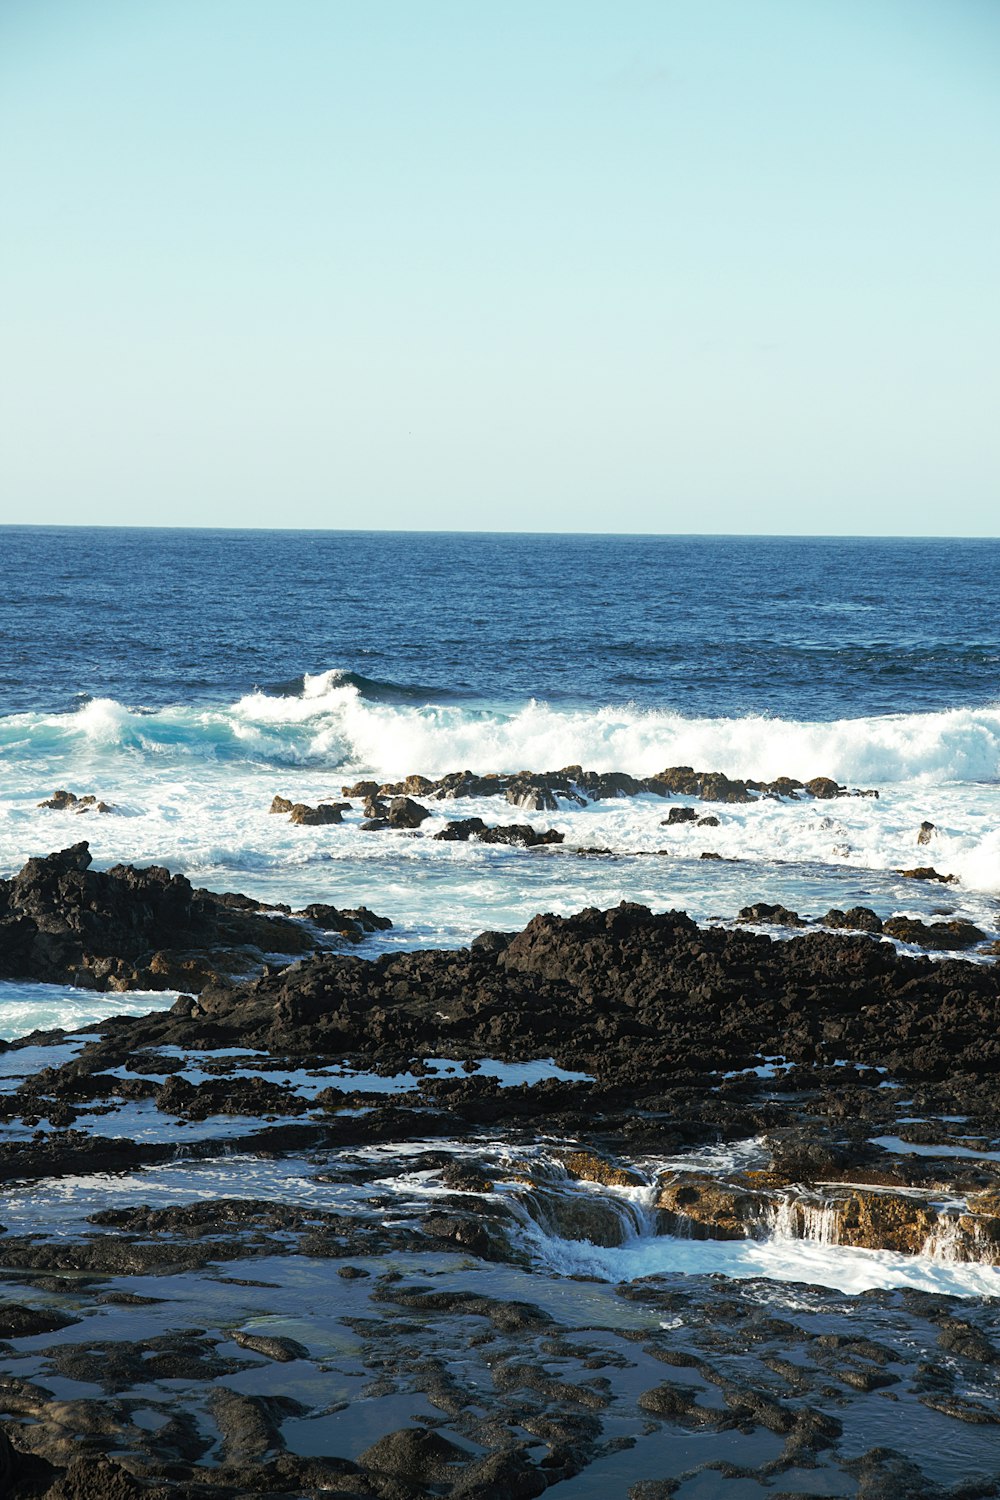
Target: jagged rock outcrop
125, 928
64, 801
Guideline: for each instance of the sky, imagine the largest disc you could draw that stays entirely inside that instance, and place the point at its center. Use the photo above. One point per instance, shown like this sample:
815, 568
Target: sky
528, 265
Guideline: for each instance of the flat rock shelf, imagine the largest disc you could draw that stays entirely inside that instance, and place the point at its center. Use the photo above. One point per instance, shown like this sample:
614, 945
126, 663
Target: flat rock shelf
619, 1204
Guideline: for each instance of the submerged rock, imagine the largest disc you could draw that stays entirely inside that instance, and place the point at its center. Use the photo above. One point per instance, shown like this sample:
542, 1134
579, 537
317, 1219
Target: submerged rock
460, 830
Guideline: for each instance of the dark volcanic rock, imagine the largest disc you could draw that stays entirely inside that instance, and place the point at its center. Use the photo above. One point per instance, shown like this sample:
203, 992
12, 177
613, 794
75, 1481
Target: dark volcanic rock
519, 833
858, 918
763, 911
460, 830
823, 787
301, 813
128, 928
626, 994
17, 1322
63, 801
405, 813
946, 936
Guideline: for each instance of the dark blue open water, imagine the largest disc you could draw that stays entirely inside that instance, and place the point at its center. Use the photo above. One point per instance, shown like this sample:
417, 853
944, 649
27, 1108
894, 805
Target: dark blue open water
800, 628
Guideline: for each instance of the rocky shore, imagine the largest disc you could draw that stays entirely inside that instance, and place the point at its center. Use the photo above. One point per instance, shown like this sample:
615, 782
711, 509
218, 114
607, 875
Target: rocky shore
300, 1232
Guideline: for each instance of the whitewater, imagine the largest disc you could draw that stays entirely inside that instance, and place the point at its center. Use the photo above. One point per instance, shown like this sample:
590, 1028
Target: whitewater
191, 785
186, 680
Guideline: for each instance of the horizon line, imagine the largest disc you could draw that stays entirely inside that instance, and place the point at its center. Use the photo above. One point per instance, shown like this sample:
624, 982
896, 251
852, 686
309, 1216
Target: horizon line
803, 536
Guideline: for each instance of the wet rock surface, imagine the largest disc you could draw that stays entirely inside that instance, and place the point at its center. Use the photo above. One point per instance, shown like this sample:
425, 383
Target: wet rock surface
126, 928
316, 1232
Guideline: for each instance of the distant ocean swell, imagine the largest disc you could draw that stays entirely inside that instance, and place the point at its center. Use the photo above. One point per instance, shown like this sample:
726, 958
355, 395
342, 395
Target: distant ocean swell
336, 720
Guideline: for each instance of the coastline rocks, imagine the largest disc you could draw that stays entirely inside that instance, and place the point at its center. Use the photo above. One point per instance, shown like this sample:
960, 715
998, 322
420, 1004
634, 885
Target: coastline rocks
925, 833
521, 834
541, 791
401, 812
600, 785
763, 911
355, 920
460, 830
363, 789
704, 1207
128, 928
310, 817
418, 785
855, 919
941, 936
824, 788
625, 994
316, 817
927, 872
679, 815
751, 1205
63, 801
405, 813
587, 1166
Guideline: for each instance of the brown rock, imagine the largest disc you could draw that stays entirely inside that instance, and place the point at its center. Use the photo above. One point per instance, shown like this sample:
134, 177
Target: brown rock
715, 787
588, 1167
857, 919
707, 1208
314, 817
824, 788
942, 936
405, 813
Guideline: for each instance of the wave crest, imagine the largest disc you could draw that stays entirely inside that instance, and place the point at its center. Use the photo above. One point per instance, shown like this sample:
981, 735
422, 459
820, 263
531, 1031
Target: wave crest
335, 723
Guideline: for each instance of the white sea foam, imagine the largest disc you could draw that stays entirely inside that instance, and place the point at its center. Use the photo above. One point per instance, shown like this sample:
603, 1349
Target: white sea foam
333, 723
26, 1007
193, 785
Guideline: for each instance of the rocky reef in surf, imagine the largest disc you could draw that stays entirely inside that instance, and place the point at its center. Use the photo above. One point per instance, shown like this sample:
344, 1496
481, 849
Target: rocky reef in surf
61, 922
546, 791
543, 791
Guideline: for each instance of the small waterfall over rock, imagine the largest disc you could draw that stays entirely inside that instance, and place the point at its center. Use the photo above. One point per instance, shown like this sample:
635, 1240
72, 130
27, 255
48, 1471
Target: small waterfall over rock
796, 1217
581, 1214
563, 1206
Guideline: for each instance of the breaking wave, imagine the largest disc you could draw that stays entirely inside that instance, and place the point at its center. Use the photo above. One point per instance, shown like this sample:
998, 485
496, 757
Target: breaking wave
338, 720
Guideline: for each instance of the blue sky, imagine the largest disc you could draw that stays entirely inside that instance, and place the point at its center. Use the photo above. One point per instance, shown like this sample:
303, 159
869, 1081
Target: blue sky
720, 265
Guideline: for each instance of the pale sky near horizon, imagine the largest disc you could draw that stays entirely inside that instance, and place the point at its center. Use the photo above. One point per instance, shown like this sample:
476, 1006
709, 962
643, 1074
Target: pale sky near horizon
693, 265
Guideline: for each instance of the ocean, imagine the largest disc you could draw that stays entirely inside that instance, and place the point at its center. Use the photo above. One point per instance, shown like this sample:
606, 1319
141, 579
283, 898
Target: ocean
186, 677
756, 1163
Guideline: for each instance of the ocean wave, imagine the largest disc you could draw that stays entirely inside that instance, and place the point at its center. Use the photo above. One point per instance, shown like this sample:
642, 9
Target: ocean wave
333, 723
372, 689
